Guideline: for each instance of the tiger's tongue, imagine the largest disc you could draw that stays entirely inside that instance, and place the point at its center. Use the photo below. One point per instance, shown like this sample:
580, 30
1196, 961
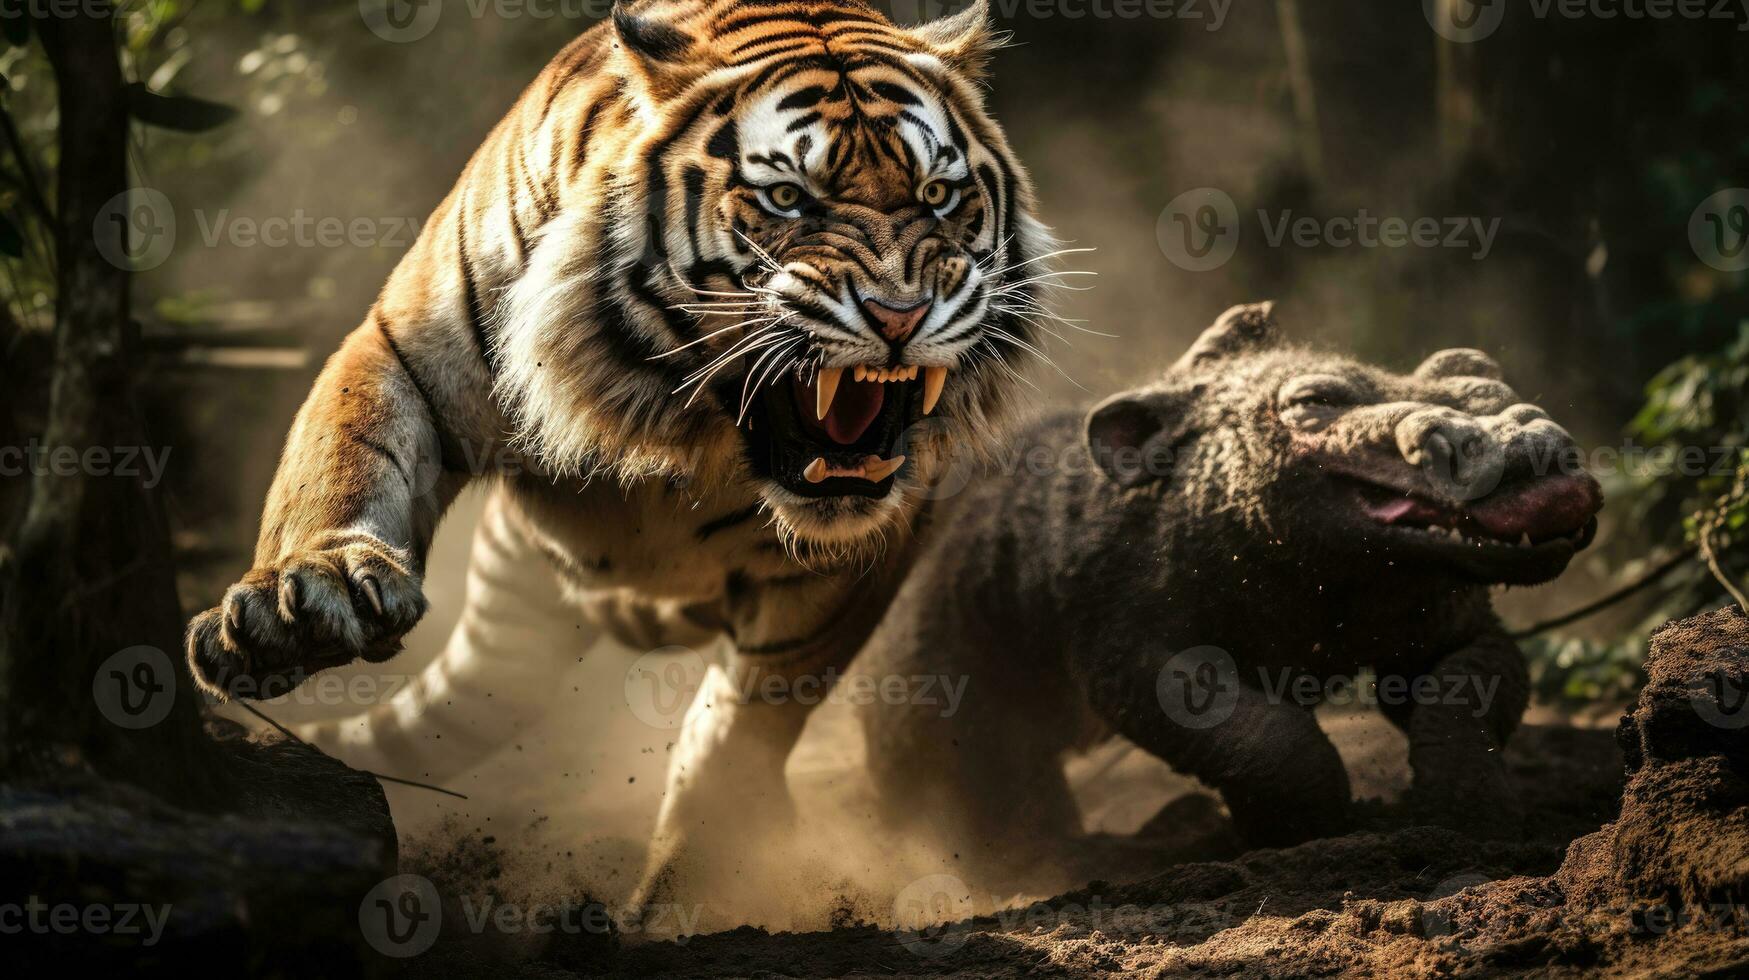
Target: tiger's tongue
854, 409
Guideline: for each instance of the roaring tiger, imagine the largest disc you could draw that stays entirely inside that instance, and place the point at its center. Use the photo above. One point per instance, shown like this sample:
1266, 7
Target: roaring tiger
708, 307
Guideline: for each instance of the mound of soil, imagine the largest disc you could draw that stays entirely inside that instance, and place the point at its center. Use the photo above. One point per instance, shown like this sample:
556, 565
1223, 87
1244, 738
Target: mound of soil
1658, 889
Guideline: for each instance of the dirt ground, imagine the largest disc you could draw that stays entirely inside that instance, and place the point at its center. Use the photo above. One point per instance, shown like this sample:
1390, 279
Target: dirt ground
1634, 862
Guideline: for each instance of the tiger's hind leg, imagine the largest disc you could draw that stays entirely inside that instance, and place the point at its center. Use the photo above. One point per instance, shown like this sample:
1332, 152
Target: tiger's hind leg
517, 632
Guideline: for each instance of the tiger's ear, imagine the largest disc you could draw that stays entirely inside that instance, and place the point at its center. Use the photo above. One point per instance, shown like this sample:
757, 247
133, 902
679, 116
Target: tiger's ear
963, 41
661, 55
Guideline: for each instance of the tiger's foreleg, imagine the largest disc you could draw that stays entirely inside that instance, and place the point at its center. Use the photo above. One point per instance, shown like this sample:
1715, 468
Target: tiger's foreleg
338, 563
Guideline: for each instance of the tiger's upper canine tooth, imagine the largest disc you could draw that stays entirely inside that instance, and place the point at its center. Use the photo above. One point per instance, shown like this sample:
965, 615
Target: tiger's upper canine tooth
876, 472
816, 471
933, 379
826, 388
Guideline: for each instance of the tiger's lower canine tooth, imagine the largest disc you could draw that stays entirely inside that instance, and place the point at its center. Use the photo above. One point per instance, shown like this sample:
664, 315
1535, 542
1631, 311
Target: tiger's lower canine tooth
815, 472
876, 472
933, 379
826, 388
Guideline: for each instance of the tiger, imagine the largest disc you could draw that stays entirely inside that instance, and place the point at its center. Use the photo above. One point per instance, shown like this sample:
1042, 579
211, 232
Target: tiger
704, 312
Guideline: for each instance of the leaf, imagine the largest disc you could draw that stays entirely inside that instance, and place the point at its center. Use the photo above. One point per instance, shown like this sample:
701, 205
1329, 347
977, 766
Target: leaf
182, 113
11, 240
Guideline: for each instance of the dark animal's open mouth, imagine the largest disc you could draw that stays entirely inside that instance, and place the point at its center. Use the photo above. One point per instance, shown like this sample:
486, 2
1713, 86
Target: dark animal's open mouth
837, 432
1551, 514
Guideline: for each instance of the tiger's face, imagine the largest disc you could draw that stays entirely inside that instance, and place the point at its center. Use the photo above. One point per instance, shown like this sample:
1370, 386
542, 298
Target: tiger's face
852, 238
794, 253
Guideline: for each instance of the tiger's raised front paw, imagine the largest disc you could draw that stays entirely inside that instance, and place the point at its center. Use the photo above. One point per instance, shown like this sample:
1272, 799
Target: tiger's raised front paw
315, 609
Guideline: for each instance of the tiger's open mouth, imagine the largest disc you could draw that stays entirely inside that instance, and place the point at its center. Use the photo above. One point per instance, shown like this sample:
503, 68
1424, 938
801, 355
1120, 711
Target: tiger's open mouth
834, 432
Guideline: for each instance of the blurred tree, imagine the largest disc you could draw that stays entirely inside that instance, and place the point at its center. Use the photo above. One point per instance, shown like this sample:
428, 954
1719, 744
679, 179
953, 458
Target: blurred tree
86, 571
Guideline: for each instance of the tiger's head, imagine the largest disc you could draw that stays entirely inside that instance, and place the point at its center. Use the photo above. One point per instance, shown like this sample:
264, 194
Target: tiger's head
836, 238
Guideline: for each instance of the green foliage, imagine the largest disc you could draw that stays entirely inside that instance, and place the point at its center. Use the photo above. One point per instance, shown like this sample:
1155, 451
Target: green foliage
1685, 484
1698, 408
1574, 672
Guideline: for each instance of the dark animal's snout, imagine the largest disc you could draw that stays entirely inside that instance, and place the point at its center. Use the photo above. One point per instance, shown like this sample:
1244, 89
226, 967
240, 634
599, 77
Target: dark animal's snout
1517, 473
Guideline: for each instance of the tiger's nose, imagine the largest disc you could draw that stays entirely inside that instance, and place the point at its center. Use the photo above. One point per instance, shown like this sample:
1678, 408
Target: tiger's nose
897, 325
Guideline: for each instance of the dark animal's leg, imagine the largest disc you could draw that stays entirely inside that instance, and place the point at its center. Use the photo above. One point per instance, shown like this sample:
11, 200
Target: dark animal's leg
971, 767
1006, 820
1458, 716
1279, 775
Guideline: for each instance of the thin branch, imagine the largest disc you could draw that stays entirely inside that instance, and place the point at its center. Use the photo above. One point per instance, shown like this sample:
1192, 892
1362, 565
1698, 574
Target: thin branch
257, 712
1656, 574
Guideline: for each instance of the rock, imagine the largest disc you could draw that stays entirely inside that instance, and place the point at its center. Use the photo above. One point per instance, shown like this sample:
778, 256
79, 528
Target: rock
1681, 845
108, 875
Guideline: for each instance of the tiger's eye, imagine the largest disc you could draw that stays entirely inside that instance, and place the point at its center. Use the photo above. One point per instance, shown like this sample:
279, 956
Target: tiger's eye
935, 193
785, 196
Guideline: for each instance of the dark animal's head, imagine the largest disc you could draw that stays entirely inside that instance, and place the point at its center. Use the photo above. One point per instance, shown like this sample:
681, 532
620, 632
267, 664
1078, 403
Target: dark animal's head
1444, 469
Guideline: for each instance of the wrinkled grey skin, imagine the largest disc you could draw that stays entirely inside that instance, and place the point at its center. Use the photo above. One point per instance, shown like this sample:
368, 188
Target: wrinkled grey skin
1218, 508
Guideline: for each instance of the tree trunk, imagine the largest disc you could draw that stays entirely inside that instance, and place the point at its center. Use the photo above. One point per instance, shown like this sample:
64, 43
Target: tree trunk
88, 573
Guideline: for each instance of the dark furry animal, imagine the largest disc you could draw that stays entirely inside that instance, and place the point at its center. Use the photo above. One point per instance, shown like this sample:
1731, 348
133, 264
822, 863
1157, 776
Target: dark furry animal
1193, 565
